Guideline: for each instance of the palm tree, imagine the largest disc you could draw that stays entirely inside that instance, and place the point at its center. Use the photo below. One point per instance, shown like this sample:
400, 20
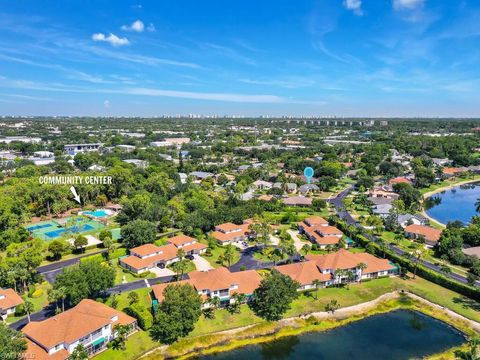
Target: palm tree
338, 274
417, 255
229, 254
477, 205
317, 283
214, 302
362, 266
305, 249
121, 333
180, 267
28, 306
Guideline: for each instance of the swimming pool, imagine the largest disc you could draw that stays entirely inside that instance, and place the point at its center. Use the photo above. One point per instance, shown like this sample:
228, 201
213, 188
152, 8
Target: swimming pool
100, 213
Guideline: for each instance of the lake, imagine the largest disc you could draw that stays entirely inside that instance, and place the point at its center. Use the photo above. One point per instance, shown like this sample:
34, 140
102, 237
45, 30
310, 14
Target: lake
457, 203
397, 335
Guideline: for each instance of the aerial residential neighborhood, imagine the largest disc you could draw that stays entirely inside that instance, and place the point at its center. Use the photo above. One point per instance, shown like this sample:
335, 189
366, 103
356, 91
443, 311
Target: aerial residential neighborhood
218, 180
181, 233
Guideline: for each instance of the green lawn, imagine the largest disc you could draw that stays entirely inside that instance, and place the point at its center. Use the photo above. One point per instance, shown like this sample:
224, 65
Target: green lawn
449, 182
120, 273
407, 245
217, 252
137, 344
144, 298
38, 302
306, 303
190, 266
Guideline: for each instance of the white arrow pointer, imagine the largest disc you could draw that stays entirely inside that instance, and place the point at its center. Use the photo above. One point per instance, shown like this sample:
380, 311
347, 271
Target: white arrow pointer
75, 195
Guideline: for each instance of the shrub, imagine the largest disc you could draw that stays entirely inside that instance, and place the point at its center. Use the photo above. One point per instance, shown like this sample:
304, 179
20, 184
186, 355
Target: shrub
36, 294
31, 290
143, 316
20, 310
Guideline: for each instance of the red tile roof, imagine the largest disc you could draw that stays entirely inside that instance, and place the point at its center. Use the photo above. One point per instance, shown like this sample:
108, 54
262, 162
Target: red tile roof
146, 249
429, 233
74, 324
10, 300
303, 272
181, 239
169, 252
343, 259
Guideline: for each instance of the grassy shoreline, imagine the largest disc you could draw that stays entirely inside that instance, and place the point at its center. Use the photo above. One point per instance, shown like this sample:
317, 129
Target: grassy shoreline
266, 332
141, 344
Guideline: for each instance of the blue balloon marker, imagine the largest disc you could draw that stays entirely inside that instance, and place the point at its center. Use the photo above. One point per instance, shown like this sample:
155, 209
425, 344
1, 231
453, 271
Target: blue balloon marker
308, 172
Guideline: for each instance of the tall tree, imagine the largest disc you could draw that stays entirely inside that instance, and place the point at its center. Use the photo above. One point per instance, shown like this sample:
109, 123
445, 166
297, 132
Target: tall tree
177, 314
12, 343
273, 297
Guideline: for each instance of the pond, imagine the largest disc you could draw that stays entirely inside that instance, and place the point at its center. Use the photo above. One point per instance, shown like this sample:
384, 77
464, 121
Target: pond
457, 203
397, 335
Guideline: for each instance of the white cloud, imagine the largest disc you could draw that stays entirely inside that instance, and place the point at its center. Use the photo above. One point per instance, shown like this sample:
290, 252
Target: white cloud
136, 26
354, 5
407, 4
151, 28
112, 39
106, 104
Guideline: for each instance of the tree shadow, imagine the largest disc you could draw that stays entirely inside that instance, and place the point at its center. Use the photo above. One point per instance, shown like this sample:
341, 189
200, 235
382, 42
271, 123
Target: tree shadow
467, 303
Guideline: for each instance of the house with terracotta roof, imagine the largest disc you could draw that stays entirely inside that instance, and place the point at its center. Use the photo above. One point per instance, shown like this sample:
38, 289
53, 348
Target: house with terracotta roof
346, 261
450, 172
305, 273
336, 268
148, 256
9, 300
428, 233
188, 244
219, 282
399, 180
90, 324
320, 232
229, 233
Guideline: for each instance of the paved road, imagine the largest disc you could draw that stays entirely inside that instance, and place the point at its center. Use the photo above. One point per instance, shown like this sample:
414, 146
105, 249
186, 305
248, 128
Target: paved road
337, 202
117, 289
51, 271
248, 262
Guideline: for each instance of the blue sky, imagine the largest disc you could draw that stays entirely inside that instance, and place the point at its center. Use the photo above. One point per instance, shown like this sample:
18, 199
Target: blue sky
249, 57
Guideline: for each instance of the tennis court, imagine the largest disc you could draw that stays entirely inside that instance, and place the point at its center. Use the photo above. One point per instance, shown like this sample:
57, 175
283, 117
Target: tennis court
67, 227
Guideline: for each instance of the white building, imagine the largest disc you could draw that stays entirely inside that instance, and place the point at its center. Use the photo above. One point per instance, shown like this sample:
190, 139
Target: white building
74, 149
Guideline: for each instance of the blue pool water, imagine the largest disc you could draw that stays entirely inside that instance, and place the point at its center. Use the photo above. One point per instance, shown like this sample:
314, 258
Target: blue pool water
38, 227
74, 229
96, 213
457, 203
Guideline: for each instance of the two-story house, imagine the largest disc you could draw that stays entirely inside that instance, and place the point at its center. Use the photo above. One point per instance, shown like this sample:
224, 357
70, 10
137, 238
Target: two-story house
188, 244
9, 300
361, 265
320, 232
229, 233
219, 282
90, 323
148, 256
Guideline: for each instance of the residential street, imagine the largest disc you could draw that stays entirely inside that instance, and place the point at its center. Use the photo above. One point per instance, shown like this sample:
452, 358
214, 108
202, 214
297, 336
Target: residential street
337, 202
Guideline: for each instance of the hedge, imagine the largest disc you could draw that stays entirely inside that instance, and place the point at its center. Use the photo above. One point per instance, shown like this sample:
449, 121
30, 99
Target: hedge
142, 314
421, 271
